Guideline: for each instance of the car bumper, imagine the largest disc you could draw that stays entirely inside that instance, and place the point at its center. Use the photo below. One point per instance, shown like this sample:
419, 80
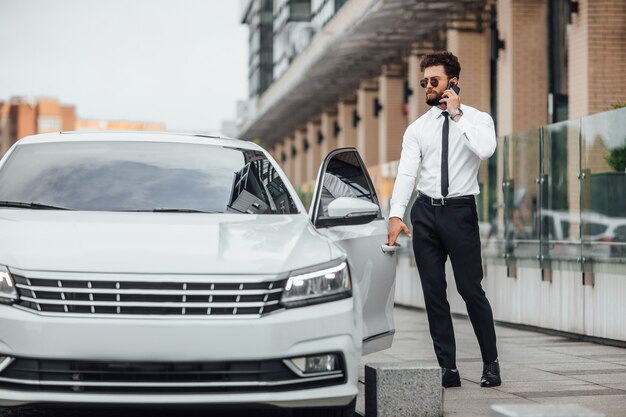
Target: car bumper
323, 328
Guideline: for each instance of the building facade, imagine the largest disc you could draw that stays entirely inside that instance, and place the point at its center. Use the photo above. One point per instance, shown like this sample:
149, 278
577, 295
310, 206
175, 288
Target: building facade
552, 206
20, 117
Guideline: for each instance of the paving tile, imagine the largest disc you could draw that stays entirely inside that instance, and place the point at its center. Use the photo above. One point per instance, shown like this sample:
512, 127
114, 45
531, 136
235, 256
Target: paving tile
616, 386
471, 390
543, 368
602, 379
529, 386
593, 391
606, 371
610, 405
578, 365
468, 360
477, 407
588, 350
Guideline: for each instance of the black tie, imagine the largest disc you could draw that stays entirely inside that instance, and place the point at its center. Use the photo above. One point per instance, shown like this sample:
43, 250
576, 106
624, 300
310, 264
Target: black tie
444, 154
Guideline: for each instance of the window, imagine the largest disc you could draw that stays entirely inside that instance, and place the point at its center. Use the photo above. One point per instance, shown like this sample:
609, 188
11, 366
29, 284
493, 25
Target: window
144, 176
344, 176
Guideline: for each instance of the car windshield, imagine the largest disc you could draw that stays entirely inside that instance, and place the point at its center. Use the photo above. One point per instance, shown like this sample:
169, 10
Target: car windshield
143, 176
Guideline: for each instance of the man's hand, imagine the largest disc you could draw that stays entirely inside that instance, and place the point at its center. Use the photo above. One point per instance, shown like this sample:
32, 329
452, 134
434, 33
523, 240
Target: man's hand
396, 226
451, 99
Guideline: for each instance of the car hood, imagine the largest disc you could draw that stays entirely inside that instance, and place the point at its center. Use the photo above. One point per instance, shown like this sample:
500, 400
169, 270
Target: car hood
178, 243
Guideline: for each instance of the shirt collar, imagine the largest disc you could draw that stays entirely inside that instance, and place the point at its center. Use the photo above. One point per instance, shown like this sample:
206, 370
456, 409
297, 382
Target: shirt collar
436, 112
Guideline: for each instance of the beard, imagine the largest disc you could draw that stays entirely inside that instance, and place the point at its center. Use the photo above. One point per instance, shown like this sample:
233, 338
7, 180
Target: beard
434, 101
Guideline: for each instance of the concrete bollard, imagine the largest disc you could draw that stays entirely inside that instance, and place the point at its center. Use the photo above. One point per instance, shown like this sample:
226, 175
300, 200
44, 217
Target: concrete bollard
542, 410
402, 390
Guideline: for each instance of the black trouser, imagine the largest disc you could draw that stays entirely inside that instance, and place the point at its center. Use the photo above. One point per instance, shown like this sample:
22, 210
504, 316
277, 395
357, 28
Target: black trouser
439, 231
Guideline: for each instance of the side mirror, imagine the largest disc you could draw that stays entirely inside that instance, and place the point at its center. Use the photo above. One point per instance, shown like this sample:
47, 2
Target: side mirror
351, 207
348, 211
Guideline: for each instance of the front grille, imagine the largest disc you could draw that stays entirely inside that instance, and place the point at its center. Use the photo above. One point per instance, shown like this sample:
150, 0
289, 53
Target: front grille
160, 377
172, 296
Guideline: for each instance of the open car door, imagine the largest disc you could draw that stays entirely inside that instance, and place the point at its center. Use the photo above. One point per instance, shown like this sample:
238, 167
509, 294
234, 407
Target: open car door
345, 208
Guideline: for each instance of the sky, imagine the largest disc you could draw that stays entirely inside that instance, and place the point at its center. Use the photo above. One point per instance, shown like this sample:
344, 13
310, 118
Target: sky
178, 62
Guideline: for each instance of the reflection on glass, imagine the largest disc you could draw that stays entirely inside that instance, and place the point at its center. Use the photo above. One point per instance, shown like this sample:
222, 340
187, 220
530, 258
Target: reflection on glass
521, 195
558, 193
489, 205
560, 213
344, 177
603, 196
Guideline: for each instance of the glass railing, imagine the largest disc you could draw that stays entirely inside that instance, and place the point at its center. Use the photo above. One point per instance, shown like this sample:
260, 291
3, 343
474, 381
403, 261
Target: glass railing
555, 197
563, 195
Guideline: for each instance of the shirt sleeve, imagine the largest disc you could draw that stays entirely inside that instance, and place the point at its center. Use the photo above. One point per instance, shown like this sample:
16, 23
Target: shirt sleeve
337, 187
479, 134
407, 172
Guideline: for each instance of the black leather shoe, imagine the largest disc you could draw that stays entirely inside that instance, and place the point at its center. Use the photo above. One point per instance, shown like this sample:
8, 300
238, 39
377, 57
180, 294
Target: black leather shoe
491, 375
450, 378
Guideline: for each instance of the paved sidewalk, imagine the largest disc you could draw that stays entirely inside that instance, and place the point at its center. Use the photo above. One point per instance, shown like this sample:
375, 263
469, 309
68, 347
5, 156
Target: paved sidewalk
536, 368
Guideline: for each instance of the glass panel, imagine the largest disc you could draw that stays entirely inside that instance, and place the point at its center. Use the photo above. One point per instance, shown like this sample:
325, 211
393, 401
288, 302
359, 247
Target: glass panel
344, 176
560, 190
521, 195
489, 204
603, 196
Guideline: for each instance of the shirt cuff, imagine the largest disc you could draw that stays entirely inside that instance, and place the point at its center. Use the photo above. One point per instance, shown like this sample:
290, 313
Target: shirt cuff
461, 124
397, 211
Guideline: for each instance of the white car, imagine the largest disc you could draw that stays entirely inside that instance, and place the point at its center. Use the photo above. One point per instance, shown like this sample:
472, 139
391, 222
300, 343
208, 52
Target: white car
147, 268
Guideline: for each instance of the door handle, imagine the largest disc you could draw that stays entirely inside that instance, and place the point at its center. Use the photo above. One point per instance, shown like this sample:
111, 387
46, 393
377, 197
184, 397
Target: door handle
388, 249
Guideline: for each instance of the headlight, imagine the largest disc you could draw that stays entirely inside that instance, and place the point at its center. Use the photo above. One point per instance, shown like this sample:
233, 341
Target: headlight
8, 293
324, 283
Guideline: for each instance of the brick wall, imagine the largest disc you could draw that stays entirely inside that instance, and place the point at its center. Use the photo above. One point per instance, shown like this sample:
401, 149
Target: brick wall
522, 66
597, 56
347, 134
313, 154
327, 125
392, 122
299, 166
5, 139
367, 130
472, 49
288, 144
24, 120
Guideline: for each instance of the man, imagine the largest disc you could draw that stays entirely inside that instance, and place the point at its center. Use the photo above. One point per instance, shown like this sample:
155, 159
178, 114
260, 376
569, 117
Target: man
448, 142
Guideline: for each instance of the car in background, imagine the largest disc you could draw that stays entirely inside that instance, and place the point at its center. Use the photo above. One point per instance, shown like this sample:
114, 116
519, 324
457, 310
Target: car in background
603, 236
151, 268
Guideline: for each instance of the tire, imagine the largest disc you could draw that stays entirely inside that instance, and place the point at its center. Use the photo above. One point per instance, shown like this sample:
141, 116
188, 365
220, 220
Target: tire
345, 411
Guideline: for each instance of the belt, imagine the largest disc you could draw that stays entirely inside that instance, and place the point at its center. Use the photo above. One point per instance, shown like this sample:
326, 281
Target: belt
462, 199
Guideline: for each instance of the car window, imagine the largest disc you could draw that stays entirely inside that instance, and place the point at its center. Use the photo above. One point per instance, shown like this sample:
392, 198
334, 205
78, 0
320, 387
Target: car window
344, 177
565, 227
595, 228
137, 176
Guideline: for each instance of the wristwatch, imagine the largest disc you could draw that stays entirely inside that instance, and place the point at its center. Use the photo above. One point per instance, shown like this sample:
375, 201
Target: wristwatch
455, 113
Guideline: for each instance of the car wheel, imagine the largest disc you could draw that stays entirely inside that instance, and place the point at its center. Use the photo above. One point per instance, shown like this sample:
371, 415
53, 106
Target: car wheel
345, 411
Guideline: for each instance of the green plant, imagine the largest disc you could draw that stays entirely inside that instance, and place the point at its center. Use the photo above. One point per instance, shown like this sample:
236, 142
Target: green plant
617, 159
305, 196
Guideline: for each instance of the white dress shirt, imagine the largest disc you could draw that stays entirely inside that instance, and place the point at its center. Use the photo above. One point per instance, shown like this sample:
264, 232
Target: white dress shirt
470, 140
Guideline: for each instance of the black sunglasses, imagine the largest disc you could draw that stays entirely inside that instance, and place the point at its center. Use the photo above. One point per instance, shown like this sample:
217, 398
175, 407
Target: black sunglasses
433, 81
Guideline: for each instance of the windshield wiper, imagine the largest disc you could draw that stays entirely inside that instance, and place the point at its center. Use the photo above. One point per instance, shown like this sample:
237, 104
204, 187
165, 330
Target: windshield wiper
181, 210
33, 205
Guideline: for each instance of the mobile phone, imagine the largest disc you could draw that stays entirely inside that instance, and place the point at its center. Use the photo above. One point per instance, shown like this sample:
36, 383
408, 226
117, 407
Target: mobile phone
454, 87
